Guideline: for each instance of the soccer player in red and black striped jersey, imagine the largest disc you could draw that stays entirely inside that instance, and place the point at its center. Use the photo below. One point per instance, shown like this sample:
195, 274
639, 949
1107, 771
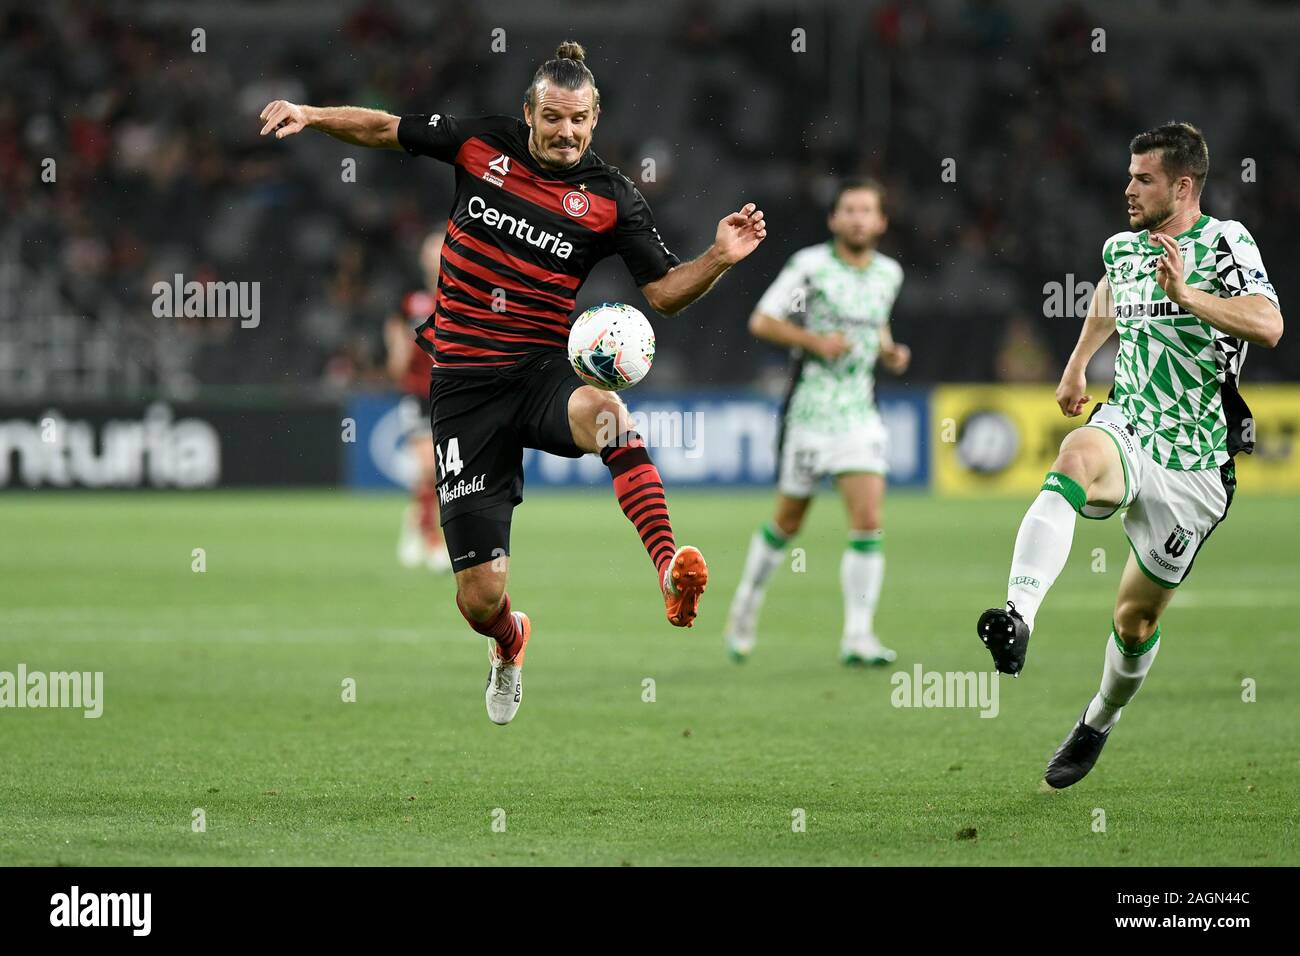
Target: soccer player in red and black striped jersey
408, 365
535, 209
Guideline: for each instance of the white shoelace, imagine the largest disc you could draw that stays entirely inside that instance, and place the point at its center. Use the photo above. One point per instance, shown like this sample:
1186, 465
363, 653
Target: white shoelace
504, 681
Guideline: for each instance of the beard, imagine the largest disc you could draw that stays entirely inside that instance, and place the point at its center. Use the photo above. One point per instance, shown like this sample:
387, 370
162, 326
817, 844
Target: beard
544, 157
1154, 216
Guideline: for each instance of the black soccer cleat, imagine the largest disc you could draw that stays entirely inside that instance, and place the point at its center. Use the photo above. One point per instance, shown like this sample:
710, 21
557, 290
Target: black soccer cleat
1076, 756
1006, 635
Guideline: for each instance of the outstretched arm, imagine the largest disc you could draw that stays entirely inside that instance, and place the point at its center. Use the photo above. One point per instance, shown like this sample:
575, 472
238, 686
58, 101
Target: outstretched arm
352, 124
738, 235
1097, 328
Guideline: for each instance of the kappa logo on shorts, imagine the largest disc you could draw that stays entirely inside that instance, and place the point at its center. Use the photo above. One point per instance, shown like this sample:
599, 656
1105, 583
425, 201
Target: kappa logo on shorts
1123, 433
1161, 561
1177, 542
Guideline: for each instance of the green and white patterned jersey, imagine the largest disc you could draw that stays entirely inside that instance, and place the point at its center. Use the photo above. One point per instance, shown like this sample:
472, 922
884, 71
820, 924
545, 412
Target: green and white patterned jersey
1175, 375
824, 294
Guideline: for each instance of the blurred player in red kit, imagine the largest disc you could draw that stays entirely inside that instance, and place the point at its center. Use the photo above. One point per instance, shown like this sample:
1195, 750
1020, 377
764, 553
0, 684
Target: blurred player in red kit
421, 541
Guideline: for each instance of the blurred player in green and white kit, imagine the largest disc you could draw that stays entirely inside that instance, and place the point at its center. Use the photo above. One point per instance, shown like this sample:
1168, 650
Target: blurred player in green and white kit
831, 304
1187, 293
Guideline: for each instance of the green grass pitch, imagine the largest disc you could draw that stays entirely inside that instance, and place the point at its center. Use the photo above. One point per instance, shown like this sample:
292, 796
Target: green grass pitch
224, 692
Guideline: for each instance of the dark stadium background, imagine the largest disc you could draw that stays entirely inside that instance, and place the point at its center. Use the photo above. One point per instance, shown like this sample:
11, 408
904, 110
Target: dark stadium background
161, 170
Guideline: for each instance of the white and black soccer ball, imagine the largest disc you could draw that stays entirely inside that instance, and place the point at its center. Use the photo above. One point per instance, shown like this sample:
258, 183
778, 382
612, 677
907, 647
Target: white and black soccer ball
611, 346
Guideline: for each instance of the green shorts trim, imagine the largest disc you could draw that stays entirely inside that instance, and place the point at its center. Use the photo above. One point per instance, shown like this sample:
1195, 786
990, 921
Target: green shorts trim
1160, 581
1127, 485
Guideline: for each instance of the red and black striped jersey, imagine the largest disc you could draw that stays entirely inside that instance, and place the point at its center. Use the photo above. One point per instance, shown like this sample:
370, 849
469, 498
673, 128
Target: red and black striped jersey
417, 306
522, 239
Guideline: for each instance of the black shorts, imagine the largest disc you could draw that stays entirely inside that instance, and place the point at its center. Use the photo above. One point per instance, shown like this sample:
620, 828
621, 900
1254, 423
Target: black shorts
482, 422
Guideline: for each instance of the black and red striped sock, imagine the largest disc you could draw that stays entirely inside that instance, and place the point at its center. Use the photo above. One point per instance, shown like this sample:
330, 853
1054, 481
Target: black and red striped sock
640, 493
501, 626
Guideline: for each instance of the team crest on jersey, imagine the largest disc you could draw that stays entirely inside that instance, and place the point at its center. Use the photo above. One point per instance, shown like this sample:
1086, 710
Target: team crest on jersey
501, 167
576, 204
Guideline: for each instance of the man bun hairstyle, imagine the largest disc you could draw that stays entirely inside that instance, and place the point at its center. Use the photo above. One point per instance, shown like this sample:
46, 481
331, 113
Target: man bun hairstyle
567, 70
1183, 151
570, 50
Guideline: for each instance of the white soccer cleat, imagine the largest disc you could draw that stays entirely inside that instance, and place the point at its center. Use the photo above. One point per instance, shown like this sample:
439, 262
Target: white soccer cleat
865, 651
410, 542
505, 683
741, 634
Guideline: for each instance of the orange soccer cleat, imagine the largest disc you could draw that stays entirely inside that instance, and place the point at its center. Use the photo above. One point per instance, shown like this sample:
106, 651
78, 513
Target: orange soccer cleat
684, 582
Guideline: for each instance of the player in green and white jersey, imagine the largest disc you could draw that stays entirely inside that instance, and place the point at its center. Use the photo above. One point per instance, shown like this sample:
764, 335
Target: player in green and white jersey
831, 303
1187, 293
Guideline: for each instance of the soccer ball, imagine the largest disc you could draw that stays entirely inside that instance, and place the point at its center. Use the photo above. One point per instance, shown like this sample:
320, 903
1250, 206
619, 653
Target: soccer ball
611, 346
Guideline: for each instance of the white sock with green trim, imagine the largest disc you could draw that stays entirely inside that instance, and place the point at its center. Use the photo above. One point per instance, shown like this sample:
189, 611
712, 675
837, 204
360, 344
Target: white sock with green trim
862, 571
1043, 544
766, 547
1122, 675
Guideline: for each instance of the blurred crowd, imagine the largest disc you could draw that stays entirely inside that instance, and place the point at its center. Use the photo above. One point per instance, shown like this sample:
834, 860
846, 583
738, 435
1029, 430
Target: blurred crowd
129, 153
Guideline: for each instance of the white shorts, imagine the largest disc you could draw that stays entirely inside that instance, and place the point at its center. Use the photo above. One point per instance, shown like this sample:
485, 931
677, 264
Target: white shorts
1170, 513
808, 455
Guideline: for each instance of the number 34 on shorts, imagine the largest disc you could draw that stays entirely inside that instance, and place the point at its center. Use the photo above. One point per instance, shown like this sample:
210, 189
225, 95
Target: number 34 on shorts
449, 462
